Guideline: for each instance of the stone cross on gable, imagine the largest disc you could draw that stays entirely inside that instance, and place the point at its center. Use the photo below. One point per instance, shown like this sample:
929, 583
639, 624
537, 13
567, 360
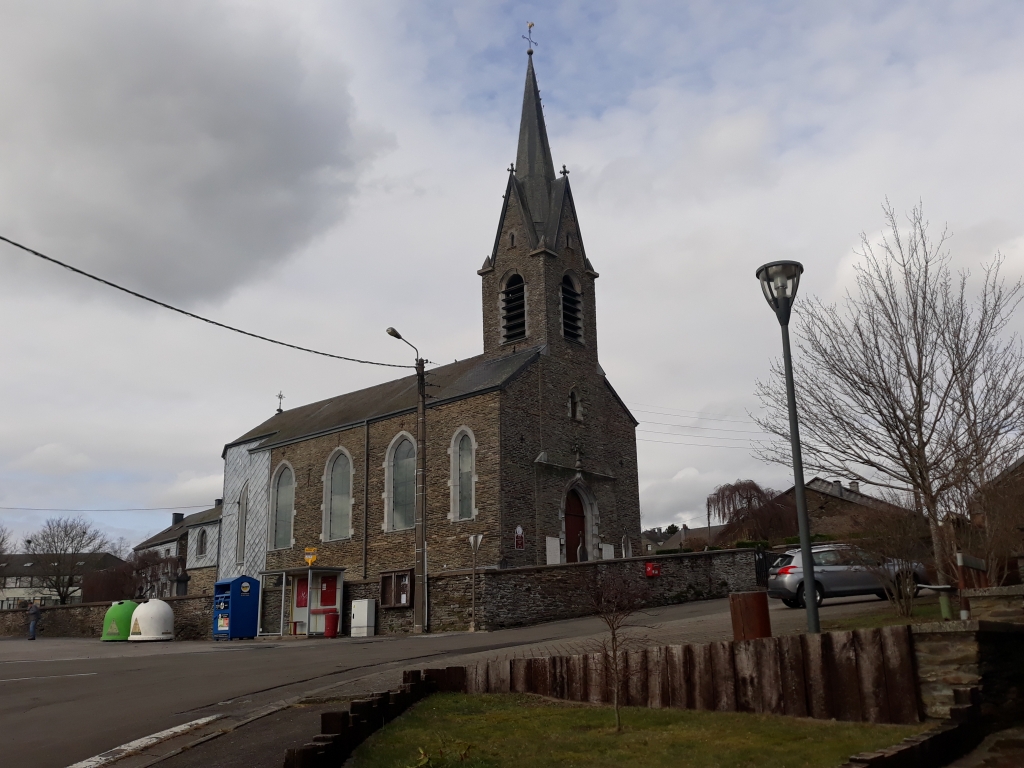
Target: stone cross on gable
280, 401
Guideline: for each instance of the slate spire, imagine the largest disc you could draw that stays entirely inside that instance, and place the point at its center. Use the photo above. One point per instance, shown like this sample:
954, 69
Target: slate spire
534, 169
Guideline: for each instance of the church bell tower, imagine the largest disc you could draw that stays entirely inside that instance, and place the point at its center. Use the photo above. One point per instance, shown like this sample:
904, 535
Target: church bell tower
538, 285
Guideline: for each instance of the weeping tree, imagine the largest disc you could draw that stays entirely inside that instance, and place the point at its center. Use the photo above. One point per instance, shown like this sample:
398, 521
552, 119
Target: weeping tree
910, 383
751, 510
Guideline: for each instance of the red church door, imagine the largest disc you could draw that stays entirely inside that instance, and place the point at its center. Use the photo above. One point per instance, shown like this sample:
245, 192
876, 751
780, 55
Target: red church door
575, 525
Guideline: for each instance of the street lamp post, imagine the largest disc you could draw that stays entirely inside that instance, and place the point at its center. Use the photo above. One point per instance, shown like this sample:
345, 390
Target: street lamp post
779, 282
419, 599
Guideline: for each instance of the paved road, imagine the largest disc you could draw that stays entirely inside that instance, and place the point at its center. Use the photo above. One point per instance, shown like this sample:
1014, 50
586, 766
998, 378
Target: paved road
64, 700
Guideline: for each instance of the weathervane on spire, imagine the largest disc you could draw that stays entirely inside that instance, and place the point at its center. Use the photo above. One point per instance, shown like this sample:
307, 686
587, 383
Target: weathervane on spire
528, 37
280, 401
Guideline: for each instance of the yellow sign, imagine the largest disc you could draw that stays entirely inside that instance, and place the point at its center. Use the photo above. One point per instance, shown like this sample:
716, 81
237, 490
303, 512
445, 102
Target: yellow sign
136, 630
310, 555
112, 629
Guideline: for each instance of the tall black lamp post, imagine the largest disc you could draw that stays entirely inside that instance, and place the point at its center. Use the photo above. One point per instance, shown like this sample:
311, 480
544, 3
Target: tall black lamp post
419, 595
779, 281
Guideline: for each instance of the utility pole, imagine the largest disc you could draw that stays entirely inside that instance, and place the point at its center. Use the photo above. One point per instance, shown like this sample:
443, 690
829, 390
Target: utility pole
419, 593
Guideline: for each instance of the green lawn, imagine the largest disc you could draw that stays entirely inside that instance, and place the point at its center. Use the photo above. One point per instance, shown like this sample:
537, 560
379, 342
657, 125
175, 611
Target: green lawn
926, 609
524, 731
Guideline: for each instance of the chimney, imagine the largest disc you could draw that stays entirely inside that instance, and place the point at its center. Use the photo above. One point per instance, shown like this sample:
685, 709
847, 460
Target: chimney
837, 488
177, 517
855, 486
218, 502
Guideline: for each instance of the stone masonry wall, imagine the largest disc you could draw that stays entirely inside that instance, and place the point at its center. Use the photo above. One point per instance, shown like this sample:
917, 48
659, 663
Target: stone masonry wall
523, 596
989, 655
393, 550
201, 580
193, 619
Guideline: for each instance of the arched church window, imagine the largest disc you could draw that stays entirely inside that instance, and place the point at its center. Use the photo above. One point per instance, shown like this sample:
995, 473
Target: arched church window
243, 513
338, 502
463, 479
201, 544
284, 508
511, 239
513, 309
403, 485
572, 310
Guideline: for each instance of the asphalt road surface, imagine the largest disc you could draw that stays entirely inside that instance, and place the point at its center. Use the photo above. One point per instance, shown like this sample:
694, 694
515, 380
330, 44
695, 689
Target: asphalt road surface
65, 700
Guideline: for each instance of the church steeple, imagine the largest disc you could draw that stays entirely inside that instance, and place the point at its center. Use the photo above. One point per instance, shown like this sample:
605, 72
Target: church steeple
534, 169
538, 286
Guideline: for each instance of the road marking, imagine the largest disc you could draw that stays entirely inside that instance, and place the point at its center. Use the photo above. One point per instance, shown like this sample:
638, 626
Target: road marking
45, 677
139, 744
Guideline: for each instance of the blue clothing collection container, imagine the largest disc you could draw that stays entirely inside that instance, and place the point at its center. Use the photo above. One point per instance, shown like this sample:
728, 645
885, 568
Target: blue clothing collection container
236, 608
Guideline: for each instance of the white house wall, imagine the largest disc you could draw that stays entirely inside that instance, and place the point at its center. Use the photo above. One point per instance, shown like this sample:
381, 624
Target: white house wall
193, 559
240, 467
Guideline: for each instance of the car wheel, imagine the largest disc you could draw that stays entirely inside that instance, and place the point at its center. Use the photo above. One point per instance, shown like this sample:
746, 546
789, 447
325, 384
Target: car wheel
881, 595
791, 603
802, 603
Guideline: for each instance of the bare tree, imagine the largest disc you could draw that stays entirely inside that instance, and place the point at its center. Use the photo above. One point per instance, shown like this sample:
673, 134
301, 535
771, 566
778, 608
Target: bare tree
5, 539
614, 600
897, 540
881, 382
752, 511
58, 545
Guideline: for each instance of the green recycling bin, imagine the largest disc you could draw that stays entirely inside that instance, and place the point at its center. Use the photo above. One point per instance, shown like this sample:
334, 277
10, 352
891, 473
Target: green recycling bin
118, 619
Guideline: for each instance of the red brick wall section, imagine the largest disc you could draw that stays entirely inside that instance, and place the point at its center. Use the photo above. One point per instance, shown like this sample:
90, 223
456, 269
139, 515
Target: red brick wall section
193, 619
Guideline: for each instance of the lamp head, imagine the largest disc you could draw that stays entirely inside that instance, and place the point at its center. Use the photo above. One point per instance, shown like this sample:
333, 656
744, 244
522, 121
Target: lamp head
393, 332
779, 283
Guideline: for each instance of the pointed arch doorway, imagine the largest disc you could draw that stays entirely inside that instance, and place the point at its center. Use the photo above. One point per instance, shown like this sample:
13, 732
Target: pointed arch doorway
575, 528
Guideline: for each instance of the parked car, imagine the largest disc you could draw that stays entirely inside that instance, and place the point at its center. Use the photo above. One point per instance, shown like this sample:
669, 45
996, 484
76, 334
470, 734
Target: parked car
839, 571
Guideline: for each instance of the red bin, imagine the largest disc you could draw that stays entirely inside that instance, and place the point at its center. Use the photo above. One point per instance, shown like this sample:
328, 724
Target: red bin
331, 624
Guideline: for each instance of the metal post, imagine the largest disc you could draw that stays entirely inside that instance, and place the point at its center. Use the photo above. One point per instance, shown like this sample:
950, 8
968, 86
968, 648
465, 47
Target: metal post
472, 623
810, 593
420, 593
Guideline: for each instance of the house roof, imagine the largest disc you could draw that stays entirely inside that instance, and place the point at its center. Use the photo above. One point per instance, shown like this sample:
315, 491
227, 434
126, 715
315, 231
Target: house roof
445, 383
829, 488
174, 531
39, 564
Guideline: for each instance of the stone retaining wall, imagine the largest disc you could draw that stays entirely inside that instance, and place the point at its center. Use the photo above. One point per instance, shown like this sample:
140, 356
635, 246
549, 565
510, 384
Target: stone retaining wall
983, 654
997, 603
193, 619
514, 597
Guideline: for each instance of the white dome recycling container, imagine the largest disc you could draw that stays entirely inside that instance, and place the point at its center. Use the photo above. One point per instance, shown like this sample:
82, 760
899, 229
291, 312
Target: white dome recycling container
152, 620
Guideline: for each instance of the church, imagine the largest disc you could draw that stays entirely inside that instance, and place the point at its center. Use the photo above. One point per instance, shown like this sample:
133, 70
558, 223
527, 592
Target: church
527, 444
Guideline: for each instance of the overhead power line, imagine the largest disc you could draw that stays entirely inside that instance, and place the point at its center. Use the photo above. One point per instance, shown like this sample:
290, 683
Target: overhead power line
698, 445
130, 509
194, 316
710, 429
667, 412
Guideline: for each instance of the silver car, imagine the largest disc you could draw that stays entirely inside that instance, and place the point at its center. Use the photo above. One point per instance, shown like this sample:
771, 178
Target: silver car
839, 571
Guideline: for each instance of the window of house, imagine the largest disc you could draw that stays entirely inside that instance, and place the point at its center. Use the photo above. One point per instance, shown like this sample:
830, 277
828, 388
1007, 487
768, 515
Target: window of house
243, 515
403, 485
396, 589
284, 507
339, 498
572, 314
513, 309
201, 543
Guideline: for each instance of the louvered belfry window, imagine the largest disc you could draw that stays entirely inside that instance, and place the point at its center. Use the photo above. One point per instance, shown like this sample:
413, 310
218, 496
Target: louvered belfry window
572, 322
513, 309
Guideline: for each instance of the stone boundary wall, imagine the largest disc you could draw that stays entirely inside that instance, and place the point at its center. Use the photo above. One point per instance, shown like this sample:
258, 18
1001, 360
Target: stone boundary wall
987, 655
193, 619
996, 603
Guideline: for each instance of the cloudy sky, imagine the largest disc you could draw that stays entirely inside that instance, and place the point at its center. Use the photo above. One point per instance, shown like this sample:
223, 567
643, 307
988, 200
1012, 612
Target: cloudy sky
318, 172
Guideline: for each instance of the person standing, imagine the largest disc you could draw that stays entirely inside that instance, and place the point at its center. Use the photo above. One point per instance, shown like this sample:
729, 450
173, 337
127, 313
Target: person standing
33, 620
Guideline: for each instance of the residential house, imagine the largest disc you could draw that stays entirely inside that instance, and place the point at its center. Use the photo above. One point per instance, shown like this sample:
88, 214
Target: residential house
28, 578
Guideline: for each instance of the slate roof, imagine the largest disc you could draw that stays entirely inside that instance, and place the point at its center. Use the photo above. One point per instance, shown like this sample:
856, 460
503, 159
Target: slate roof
174, 531
445, 383
38, 565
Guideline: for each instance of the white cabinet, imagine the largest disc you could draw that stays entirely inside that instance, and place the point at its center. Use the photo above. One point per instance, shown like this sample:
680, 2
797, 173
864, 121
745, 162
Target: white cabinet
364, 614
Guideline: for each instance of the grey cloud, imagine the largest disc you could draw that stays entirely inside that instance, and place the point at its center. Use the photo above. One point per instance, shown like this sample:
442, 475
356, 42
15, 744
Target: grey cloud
182, 148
